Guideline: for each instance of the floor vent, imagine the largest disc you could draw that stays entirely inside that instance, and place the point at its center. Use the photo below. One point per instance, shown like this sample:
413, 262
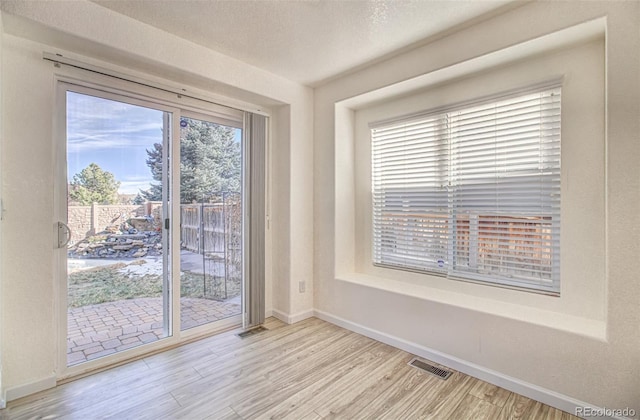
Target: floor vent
253, 331
435, 371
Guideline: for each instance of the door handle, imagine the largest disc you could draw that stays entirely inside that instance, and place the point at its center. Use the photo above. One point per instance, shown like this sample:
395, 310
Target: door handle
64, 234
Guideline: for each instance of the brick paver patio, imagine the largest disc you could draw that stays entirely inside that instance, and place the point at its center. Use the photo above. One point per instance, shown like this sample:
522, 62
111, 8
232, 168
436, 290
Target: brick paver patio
98, 330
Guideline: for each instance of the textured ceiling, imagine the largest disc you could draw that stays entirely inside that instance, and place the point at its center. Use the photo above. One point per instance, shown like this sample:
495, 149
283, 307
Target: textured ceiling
305, 41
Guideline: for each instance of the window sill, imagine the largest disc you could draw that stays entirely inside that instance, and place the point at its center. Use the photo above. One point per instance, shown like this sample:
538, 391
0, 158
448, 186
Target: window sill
591, 328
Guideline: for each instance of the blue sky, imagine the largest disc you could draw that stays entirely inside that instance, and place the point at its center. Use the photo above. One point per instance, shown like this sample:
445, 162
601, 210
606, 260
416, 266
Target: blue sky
114, 135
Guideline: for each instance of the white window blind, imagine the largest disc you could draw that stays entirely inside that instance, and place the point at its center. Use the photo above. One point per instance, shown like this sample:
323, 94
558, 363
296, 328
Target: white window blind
472, 191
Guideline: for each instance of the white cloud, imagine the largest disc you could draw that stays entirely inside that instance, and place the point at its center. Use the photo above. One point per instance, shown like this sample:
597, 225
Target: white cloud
95, 123
133, 186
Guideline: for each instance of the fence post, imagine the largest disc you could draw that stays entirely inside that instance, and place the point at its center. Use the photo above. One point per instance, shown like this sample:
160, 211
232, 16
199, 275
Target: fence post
474, 234
200, 228
94, 218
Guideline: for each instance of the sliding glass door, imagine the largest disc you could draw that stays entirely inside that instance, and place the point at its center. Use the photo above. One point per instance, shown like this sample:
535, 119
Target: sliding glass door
117, 254
150, 222
210, 221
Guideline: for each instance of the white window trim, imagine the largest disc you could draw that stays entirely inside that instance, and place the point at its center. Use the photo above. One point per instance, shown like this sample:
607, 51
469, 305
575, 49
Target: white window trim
581, 308
449, 266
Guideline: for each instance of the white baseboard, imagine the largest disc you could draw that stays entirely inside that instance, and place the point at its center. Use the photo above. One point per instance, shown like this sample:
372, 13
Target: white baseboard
280, 315
300, 316
292, 319
548, 397
30, 388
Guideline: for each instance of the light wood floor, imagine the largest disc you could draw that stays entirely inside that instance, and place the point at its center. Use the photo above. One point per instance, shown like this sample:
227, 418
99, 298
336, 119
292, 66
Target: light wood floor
309, 370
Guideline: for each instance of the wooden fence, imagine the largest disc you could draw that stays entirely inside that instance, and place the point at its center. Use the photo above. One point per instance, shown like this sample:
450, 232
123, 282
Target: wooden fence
211, 228
214, 230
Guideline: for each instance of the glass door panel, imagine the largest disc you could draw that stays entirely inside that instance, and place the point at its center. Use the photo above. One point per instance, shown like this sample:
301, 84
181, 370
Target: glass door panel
210, 222
117, 256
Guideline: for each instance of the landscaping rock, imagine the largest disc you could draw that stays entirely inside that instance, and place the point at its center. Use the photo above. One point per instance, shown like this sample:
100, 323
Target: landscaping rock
112, 229
142, 224
119, 245
140, 253
122, 247
125, 237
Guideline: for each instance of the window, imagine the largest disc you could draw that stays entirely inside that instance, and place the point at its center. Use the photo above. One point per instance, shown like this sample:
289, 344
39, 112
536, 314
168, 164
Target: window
472, 191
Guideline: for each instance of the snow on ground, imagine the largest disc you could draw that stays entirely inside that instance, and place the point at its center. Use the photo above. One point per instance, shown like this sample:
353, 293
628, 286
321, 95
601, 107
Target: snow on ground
150, 266
75, 265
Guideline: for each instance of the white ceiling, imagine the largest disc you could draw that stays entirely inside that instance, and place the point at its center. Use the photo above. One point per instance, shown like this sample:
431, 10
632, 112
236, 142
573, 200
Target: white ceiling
304, 41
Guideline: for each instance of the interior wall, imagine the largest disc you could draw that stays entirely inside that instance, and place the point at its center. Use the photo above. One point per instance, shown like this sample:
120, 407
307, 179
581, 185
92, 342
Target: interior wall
593, 365
281, 244
301, 219
29, 328
28, 309
582, 262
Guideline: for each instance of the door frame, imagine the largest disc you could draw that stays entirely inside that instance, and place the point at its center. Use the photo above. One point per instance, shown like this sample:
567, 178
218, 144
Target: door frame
124, 91
235, 320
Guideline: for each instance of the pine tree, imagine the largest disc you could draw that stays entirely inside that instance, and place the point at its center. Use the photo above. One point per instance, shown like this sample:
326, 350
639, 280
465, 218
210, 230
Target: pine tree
154, 162
94, 185
210, 162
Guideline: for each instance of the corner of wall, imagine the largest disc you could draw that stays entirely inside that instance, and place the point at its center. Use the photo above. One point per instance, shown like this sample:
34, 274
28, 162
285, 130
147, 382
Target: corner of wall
344, 187
293, 318
301, 217
279, 210
30, 388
